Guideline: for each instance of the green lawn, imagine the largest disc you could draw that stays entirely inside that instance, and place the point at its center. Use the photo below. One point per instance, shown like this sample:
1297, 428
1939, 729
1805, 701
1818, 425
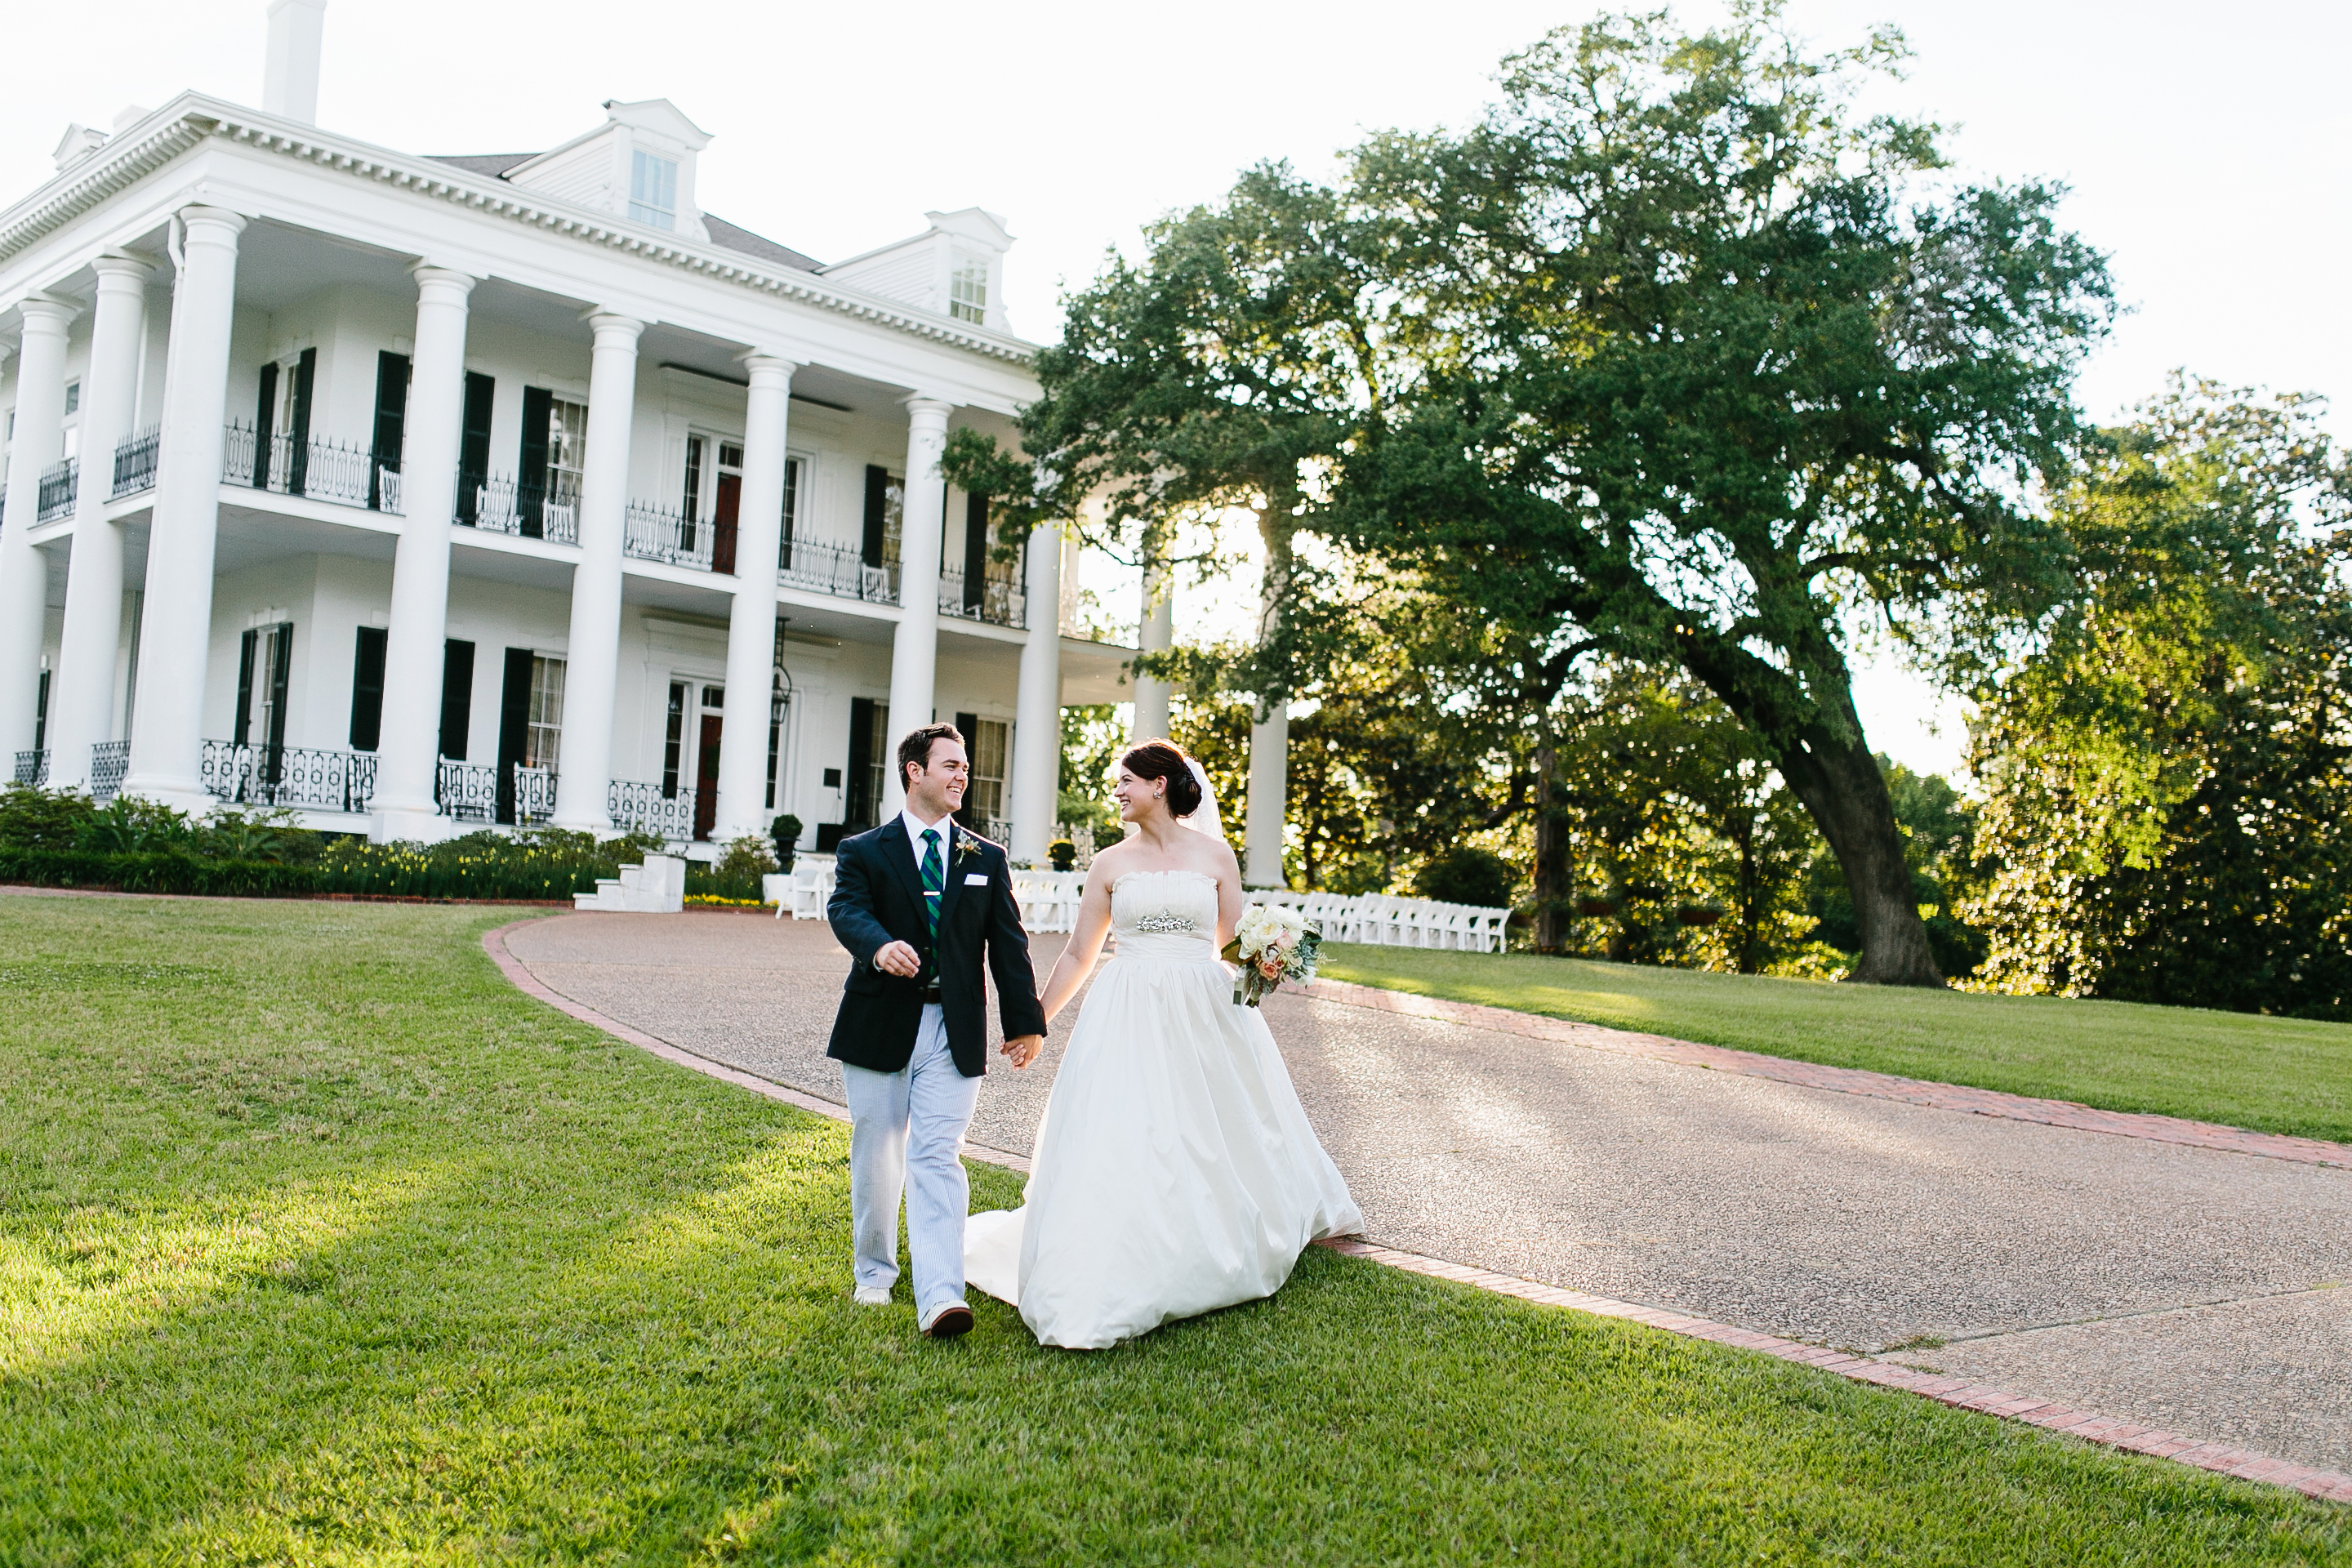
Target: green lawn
2277, 1075
318, 1244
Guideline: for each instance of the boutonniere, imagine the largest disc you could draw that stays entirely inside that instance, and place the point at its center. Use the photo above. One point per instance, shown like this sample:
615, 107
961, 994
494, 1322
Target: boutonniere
966, 849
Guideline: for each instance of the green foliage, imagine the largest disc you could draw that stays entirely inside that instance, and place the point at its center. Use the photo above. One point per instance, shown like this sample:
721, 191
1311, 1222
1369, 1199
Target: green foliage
2168, 776
1939, 827
1092, 742
33, 818
128, 825
744, 859
1467, 875
259, 835
1063, 854
785, 833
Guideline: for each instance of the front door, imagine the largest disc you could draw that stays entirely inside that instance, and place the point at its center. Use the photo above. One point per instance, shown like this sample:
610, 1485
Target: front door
706, 782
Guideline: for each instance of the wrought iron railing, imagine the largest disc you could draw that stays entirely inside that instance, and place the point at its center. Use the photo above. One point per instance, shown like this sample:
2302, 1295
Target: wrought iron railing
998, 601
497, 504
643, 808
135, 461
58, 483
109, 760
288, 775
837, 569
317, 470
534, 794
466, 792
672, 538
33, 769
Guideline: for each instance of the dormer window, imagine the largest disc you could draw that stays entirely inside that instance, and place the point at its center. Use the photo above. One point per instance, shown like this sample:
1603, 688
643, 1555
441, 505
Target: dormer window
968, 292
653, 189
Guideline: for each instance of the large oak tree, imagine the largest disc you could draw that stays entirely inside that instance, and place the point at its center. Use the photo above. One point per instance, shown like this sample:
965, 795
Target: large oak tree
1704, 367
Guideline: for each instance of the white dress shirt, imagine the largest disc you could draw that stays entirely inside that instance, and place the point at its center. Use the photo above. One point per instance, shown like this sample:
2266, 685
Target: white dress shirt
916, 828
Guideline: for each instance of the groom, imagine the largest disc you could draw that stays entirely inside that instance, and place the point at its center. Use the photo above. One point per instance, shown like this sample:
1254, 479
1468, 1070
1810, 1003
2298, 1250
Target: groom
914, 902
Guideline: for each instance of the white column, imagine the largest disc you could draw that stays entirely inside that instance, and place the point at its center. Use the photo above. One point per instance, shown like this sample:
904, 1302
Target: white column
1269, 785
594, 657
1037, 728
751, 623
408, 746
1157, 636
914, 652
167, 743
81, 699
23, 572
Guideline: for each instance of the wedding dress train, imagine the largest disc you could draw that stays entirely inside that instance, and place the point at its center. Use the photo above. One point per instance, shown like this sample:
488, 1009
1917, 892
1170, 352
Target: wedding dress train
1175, 1169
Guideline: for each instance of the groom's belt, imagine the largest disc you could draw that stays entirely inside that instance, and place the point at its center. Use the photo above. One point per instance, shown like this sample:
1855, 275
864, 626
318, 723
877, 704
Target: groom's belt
931, 992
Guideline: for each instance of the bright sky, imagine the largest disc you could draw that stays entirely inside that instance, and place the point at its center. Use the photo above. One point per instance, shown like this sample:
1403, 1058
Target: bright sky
2200, 140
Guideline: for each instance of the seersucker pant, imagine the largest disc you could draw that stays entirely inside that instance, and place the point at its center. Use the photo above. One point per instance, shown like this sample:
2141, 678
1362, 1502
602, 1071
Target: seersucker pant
905, 1131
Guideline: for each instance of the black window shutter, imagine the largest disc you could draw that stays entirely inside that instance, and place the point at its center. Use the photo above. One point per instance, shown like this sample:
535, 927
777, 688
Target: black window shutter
240, 731
530, 469
264, 413
474, 445
367, 690
456, 696
390, 421
41, 719
297, 424
281, 662
514, 725
862, 803
975, 550
877, 500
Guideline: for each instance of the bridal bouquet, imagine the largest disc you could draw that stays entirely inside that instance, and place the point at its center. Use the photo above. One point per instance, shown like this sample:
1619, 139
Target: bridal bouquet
1272, 945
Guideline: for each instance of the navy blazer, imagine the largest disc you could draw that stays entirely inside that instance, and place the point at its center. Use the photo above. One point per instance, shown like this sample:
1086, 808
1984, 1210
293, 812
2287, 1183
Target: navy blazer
878, 898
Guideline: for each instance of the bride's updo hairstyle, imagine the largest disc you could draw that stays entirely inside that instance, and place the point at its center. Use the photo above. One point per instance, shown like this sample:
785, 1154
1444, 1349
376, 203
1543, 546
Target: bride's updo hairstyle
1163, 760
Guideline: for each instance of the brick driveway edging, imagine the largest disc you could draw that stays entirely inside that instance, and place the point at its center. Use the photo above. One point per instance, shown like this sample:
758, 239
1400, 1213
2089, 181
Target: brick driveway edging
2108, 1431
1843, 1081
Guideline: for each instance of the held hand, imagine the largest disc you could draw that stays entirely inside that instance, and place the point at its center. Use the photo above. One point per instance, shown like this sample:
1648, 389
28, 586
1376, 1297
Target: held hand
900, 959
1023, 1050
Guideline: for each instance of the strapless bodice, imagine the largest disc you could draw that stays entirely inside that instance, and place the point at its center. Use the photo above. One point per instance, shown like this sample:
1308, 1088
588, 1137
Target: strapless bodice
1165, 915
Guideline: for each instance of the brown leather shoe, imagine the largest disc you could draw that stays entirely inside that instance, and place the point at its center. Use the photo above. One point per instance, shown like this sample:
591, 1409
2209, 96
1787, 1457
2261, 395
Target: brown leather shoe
949, 1322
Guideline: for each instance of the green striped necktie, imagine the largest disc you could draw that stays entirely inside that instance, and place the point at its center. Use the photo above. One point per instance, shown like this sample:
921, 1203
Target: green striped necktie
935, 879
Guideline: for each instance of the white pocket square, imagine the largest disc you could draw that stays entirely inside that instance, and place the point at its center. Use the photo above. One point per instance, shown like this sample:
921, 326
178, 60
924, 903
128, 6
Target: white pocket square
975, 879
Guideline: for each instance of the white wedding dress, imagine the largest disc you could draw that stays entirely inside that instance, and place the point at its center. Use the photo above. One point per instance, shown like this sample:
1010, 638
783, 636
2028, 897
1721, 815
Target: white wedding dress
1175, 1169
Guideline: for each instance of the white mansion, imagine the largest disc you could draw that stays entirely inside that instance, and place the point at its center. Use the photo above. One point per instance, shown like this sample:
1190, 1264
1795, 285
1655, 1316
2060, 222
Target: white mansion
417, 493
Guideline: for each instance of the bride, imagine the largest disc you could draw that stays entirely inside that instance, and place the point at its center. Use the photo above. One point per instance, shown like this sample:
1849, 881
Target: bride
1175, 1169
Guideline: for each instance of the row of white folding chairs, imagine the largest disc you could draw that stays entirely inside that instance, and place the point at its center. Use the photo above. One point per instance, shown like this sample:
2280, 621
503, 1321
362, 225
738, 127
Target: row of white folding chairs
802, 892
1049, 899
1387, 921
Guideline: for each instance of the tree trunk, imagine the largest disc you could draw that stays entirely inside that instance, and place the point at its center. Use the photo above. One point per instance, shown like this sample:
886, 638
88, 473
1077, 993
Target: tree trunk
1841, 788
1554, 883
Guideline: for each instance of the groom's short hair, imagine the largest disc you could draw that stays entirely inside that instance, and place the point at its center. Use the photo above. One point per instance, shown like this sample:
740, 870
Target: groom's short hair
915, 751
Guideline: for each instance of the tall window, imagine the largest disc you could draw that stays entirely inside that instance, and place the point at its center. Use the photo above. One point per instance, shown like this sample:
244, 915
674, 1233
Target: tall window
653, 189
542, 746
567, 450
690, 503
985, 799
968, 292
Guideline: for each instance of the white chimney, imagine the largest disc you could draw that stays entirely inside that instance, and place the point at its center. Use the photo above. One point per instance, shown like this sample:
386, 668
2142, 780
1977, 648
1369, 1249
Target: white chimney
289, 79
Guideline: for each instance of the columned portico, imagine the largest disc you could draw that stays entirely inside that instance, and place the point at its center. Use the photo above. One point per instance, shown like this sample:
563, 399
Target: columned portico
409, 749
81, 699
593, 652
167, 743
914, 650
24, 575
752, 621
1037, 727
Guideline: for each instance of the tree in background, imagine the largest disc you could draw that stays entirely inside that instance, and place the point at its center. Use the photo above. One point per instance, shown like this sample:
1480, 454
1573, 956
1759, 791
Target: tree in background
1688, 367
2168, 776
